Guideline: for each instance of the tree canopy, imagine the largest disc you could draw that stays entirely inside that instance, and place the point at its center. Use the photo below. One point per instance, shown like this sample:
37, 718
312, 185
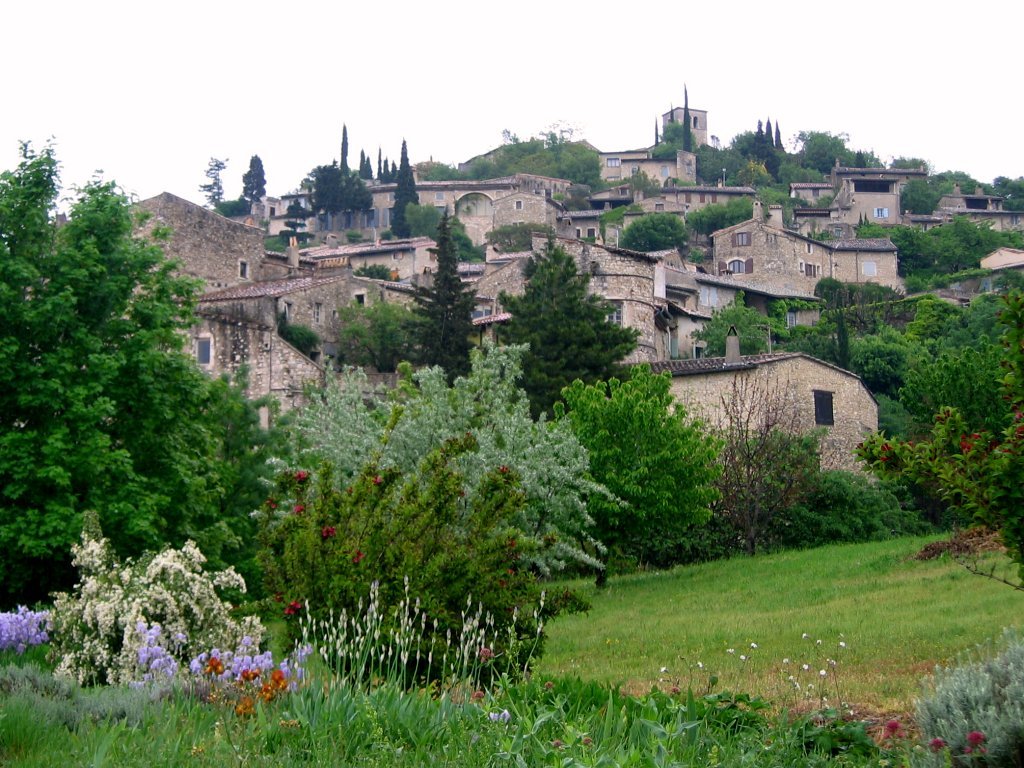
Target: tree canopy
655, 232
567, 327
254, 181
99, 406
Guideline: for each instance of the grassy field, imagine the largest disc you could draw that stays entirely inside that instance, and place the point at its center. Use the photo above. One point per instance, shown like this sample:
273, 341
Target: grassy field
898, 617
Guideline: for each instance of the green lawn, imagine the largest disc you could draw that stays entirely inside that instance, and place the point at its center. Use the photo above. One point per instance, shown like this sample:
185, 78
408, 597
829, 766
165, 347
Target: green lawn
897, 616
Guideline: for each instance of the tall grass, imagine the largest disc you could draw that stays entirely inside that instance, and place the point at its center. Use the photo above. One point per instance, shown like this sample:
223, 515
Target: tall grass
883, 617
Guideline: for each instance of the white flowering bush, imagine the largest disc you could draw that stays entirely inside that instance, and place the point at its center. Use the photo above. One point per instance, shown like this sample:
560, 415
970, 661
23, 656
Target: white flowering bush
95, 629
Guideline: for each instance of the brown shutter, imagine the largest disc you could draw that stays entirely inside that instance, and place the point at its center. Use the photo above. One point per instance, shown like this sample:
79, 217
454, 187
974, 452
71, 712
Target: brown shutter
722, 267
749, 266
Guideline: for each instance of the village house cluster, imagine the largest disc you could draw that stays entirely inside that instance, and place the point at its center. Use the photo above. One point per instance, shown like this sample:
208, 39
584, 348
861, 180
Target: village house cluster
663, 296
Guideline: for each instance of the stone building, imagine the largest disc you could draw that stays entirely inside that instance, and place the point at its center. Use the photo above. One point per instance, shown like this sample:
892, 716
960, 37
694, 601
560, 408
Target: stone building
870, 194
821, 395
627, 279
769, 256
979, 208
405, 259
221, 252
619, 166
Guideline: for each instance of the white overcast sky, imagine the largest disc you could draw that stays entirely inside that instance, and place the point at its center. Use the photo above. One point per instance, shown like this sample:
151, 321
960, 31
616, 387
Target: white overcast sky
147, 93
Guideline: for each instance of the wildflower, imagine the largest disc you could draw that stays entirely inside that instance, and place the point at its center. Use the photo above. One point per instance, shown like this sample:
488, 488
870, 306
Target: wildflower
743, 657
478, 695
664, 670
327, 532
975, 738
805, 667
937, 744
279, 679
500, 717
675, 690
377, 479
244, 707
298, 509
293, 608
785, 661
486, 654
823, 673
503, 469
214, 666
548, 685
892, 727
753, 645
842, 643
358, 556
805, 636
730, 650
586, 741
700, 665
249, 675
302, 475
557, 743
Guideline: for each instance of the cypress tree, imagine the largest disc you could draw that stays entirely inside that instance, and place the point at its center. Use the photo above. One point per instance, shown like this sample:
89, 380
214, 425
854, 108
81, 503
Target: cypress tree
687, 131
656, 139
445, 309
405, 194
254, 181
380, 170
768, 133
344, 149
393, 173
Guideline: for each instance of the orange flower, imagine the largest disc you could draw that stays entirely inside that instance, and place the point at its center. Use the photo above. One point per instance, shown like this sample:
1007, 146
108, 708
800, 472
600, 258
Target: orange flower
244, 707
248, 675
214, 666
279, 679
267, 692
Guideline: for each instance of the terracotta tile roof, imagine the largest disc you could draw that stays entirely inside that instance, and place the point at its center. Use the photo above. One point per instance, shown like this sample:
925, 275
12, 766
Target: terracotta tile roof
861, 244
364, 249
715, 364
267, 288
501, 317
471, 268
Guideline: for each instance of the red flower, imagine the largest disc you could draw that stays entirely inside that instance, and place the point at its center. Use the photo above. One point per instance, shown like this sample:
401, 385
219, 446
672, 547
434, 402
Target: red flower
486, 654
214, 666
302, 475
327, 532
298, 509
359, 555
377, 479
503, 469
975, 738
937, 744
293, 607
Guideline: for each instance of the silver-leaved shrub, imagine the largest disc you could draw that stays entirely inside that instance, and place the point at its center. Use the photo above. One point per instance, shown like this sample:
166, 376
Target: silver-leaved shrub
95, 636
346, 429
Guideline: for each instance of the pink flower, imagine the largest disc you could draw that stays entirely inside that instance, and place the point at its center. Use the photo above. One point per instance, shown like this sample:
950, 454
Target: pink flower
327, 532
293, 608
937, 744
377, 479
892, 726
358, 556
302, 475
486, 654
298, 509
975, 738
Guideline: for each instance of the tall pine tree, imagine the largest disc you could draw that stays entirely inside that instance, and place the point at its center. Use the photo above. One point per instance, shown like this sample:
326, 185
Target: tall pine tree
445, 309
778, 136
405, 194
568, 329
380, 169
344, 149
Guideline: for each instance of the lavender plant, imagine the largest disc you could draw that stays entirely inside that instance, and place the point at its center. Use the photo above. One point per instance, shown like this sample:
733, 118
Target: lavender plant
23, 629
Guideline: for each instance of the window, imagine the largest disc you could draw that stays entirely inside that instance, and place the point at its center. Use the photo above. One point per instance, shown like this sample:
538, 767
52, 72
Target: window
869, 268
579, 233
288, 311
204, 350
702, 197
881, 213
243, 269
791, 319
736, 266
823, 407
741, 238
273, 211
714, 197
811, 270
664, 171
709, 296
591, 232
658, 207
634, 170
361, 299
810, 248
519, 205
615, 317
688, 196
317, 309
485, 312
439, 195
613, 162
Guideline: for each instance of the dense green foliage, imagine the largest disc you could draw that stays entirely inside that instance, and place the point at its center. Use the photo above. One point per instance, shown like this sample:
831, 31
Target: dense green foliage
751, 326
510, 238
254, 181
655, 232
566, 326
657, 461
302, 337
712, 218
444, 310
977, 472
555, 154
214, 188
101, 409
379, 336
405, 195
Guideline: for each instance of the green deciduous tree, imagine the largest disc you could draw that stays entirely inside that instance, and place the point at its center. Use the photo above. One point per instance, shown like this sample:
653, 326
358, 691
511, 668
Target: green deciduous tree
405, 194
99, 407
380, 335
655, 232
657, 461
712, 218
751, 326
566, 326
979, 473
510, 238
254, 181
444, 310
214, 188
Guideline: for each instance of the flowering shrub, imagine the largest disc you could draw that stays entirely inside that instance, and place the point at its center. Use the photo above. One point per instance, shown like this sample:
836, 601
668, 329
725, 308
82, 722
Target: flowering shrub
23, 629
109, 627
974, 713
418, 535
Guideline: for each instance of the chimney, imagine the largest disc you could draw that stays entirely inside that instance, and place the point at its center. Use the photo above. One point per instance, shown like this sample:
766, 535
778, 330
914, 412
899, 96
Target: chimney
732, 346
293, 253
775, 215
332, 241
758, 210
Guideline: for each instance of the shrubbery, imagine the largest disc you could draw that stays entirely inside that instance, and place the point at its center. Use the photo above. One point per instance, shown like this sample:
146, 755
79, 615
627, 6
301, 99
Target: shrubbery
408, 535
100, 628
974, 714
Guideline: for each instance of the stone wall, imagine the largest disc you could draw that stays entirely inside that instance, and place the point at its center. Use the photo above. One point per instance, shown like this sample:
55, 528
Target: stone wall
221, 252
793, 377
526, 208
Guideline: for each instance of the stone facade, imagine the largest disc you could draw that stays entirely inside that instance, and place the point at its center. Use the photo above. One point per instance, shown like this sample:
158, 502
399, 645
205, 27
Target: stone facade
817, 391
617, 166
697, 197
870, 194
525, 208
779, 260
219, 251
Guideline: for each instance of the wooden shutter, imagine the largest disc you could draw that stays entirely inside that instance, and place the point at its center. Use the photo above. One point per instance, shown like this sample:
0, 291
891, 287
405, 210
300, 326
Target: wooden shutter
748, 266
